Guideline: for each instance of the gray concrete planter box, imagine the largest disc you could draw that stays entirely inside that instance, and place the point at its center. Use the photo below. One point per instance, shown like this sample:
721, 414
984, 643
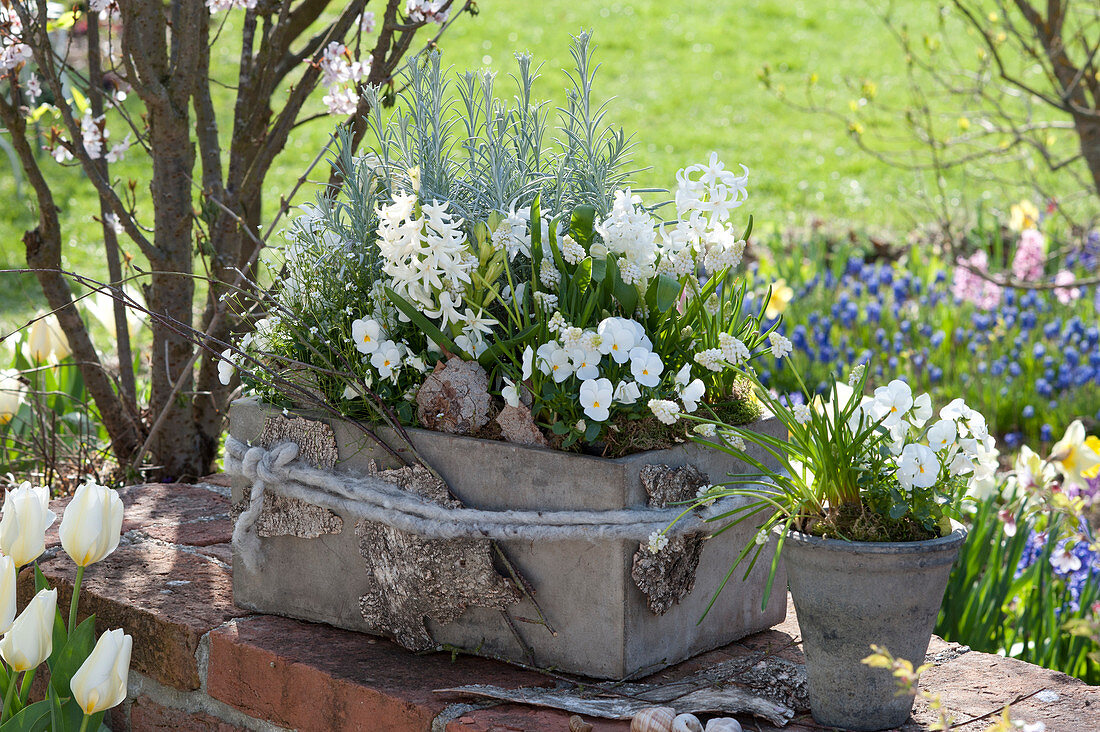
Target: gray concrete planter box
585, 589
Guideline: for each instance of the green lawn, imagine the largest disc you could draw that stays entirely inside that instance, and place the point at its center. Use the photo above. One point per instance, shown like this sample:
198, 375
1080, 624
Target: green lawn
683, 77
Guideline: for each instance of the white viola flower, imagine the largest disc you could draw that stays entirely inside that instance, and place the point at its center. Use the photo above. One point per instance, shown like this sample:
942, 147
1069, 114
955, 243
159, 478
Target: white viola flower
692, 394
941, 435
367, 335
961, 464
596, 398
733, 349
683, 376
893, 402
956, 410
657, 542
781, 345
646, 367
640, 337
561, 366
918, 467
226, 368
1064, 560
586, 363
922, 411
665, 411
386, 359
350, 393
472, 343
705, 429
710, 359
627, 392
527, 364
617, 338
801, 413
511, 394
416, 363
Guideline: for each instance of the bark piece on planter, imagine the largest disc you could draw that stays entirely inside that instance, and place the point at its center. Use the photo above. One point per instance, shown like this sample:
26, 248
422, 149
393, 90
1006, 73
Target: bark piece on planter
282, 516
413, 578
669, 575
455, 398
518, 426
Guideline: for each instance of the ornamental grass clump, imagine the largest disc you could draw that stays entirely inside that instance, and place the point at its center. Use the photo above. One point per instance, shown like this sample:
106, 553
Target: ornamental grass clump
878, 467
463, 245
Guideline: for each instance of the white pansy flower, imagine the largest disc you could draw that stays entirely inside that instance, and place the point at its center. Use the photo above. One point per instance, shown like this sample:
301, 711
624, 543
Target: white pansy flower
596, 398
617, 338
627, 392
386, 359
893, 402
510, 393
586, 363
941, 435
226, 369
922, 411
918, 467
646, 366
692, 394
528, 361
367, 334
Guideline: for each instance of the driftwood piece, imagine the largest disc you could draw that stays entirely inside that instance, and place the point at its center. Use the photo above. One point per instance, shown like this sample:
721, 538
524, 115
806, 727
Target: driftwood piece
725, 688
518, 426
282, 516
669, 575
412, 578
455, 398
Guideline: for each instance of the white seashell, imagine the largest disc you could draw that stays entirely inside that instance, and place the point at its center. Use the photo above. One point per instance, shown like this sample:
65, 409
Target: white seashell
653, 719
724, 724
687, 723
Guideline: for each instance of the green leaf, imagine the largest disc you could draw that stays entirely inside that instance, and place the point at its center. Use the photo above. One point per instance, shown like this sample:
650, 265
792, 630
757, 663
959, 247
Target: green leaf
663, 293
599, 270
40, 581
592, 431
582, 277
627, 295
421, 322
65, 664
581, 224
493, 352
536, 238
34, 718
559, 428
748, 229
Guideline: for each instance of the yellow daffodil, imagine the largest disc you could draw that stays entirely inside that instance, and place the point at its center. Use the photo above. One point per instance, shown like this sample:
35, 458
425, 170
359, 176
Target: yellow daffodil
1076, 455
780, 299
1023, 215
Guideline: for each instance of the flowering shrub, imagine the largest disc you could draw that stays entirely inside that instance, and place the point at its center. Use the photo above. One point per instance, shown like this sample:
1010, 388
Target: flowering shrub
86, 677
592, 319
1032, 361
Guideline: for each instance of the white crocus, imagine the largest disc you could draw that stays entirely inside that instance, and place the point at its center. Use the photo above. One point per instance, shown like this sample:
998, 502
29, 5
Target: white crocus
7, 593
617, 338
92, 524
510, 393
29, 641
100, 682
23, 523
692, 394
367, 334
918, 467
646, 366
596, 398
386, 359
941, 435
627, 392
226, 369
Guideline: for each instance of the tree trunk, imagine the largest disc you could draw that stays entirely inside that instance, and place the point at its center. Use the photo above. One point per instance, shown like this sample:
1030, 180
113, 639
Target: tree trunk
1088, 131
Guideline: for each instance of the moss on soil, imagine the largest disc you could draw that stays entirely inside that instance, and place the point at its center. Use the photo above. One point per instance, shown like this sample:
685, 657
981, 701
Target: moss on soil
857, 523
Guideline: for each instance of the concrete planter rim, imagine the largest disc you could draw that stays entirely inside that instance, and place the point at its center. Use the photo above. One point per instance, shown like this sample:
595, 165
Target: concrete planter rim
924, 546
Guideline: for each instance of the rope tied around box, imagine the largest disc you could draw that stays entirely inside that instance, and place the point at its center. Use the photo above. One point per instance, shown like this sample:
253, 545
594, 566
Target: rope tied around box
372, 499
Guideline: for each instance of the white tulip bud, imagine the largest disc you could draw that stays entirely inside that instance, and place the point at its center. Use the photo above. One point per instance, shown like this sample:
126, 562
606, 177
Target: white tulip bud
29, 641
7, 593
92, 524
26, 516
100, 682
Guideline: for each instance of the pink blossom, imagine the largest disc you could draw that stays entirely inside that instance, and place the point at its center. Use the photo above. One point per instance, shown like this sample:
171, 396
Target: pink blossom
1068, 293
1030, 257
971, 287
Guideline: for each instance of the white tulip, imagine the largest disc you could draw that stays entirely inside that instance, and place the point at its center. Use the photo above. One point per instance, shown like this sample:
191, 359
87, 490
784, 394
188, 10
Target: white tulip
47, 341
100, 682
92, 524
7, 593
12, 393
29, 641
23, 523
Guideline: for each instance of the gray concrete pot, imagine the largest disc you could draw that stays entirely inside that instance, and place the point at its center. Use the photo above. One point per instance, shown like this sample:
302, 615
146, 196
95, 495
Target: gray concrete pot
604, 626
849, 595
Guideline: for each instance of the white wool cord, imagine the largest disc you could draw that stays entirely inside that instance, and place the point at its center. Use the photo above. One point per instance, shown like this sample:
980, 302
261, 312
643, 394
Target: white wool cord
372, 499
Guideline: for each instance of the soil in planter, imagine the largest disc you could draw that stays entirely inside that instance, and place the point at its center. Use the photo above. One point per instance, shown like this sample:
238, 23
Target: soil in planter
857, 523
